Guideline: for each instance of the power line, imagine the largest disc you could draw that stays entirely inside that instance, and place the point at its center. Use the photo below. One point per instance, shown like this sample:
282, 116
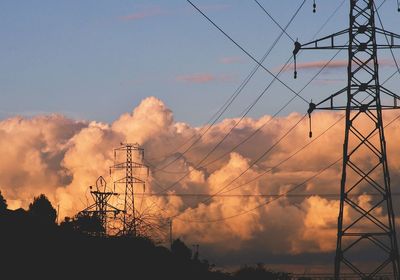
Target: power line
246, 52
259, 158
329, 18
253, 134
223, 195
226, 135
278, 112
265, 203
245, 140
207, 18
387, 40
269, 15
313, 78
240, 88
277, 197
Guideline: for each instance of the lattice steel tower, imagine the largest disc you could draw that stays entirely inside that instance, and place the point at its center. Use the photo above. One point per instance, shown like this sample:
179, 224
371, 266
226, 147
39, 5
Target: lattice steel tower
366, 222
133, 160
101, 207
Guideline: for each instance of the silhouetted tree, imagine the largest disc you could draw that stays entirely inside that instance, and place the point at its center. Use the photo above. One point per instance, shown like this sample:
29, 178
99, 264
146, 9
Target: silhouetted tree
259, 272
3, 203
42, 209
88, 224
180, 250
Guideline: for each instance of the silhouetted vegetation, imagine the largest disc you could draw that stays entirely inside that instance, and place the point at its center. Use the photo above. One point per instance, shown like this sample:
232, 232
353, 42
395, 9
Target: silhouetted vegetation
33, 246
259, 272
3, 203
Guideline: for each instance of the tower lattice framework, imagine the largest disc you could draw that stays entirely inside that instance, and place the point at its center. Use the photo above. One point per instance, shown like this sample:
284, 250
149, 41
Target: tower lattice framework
133, 157
366, 238
101, 207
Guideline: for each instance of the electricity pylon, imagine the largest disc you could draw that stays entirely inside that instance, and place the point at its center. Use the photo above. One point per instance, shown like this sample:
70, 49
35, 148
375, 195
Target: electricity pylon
366, 225
101, 207
133, 160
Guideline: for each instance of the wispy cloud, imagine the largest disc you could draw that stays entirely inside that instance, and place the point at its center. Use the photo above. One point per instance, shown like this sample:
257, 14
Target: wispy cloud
319, 64
328, 81
203, 78
230, 60
150, 12
336, 64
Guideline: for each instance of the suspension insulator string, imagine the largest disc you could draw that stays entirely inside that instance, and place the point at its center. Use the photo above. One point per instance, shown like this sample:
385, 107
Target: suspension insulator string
297, 47
315, 7
309, 111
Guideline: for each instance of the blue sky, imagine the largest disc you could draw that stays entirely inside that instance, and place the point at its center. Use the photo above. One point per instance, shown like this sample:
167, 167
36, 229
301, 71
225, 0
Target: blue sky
96, 59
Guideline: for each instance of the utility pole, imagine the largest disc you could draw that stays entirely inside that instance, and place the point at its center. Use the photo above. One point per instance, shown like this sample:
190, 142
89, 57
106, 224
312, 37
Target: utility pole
363, 226
133, 156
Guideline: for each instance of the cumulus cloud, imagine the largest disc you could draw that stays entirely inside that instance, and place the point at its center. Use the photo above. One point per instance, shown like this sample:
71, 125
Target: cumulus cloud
61, 157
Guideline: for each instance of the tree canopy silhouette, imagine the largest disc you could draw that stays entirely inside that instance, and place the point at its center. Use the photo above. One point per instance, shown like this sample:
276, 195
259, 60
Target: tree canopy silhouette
31, 239
42, 209
180, 250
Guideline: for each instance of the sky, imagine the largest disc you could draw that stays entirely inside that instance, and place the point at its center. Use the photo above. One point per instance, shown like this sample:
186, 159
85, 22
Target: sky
79, 77
97, 59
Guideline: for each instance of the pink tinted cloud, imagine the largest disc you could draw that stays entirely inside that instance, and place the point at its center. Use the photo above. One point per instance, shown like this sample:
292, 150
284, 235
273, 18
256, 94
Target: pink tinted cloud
203, 78
200, 78
230, 60
328, 81
319, 64
336, 64
150, 12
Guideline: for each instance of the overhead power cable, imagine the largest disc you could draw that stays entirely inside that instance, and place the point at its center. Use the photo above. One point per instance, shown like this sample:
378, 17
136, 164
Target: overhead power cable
172, 185
330, 18
257, 66
223, 139
264, 203
246, 52
239, 89
285, 105
296, 195
279, 196
192, 4
387, 40
269, 15
253, 134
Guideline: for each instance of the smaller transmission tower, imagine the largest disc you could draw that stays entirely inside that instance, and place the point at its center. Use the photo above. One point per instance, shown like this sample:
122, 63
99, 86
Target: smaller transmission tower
101, 206
132, 156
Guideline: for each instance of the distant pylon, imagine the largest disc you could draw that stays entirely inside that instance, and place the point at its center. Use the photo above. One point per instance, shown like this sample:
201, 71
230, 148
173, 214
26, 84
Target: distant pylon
101, 207
133, 157
364, 224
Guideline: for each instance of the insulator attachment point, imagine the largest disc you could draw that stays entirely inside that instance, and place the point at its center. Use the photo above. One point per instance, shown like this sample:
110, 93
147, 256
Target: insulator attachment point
311, 108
